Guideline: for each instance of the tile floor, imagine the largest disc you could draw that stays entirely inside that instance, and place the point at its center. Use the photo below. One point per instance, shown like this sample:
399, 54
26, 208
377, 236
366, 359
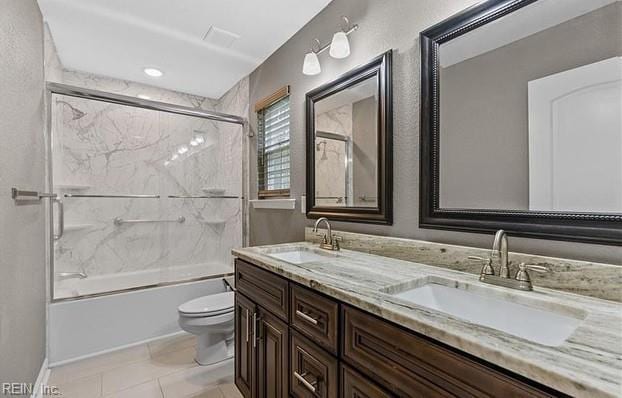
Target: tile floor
160, 369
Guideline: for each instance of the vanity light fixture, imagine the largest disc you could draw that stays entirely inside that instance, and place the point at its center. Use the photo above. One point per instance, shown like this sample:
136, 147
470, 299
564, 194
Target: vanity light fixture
153, 72
339, 48
311, 64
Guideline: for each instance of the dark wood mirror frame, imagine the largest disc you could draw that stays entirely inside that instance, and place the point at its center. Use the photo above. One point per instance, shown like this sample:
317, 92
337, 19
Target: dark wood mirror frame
379, 67
582, 227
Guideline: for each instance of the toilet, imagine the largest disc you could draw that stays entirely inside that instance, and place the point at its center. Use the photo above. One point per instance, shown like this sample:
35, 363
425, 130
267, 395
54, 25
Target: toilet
210, 318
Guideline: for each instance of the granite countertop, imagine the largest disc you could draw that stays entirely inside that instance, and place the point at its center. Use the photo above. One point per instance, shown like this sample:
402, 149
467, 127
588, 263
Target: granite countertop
587, 364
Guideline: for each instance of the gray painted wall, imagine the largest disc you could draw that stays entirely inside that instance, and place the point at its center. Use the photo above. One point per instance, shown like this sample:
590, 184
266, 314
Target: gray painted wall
384, 24
484, 115
22, 236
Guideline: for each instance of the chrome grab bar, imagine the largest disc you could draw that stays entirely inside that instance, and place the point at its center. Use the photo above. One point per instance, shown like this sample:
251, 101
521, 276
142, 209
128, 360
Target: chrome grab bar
204, 197
130, 196
80, 195
120, 221
68, 275
61, 218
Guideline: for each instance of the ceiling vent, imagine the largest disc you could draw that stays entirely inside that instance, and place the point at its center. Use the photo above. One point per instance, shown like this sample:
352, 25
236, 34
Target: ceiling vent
220, 37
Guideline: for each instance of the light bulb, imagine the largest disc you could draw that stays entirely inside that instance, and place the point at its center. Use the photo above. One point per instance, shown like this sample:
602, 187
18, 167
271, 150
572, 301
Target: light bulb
153, 72
340, 46
311, 65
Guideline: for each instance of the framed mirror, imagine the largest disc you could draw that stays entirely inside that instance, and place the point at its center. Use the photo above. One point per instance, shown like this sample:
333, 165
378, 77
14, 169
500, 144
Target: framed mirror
521, 120
349, 146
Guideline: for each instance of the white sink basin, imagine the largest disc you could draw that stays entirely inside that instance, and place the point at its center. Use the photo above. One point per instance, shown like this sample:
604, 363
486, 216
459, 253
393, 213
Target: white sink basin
538, 325
301, 255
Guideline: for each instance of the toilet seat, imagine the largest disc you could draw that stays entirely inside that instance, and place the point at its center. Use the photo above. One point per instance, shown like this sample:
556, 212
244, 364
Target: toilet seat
208, 306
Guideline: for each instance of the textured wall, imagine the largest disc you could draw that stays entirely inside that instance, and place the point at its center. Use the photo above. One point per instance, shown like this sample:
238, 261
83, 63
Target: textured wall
22, 234
384, 24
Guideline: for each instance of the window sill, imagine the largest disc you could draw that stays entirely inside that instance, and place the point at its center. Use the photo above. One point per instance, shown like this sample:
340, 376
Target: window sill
274, 204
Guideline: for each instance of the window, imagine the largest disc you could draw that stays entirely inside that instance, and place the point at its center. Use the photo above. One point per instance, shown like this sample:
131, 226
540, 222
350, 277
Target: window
273, 144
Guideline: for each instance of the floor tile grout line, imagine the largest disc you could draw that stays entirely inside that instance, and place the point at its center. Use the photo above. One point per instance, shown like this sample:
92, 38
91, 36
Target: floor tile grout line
106, 369
172, 371
160, 385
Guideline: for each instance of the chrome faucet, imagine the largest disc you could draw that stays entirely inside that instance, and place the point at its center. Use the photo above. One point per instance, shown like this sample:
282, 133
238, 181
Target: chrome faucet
500, 251
521, 281
330, 241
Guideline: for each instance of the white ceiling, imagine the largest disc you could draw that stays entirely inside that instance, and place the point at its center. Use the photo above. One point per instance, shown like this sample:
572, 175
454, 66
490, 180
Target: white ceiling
118, 38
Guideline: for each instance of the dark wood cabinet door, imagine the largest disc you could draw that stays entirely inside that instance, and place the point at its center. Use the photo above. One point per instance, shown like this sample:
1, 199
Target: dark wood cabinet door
353, 385
272, 356
244, 353
314, 373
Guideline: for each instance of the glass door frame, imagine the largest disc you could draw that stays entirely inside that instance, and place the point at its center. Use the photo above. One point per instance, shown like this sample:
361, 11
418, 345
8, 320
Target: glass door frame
79, 92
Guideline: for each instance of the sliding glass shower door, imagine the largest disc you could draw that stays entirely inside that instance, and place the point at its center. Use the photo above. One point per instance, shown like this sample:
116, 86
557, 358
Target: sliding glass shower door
146, 197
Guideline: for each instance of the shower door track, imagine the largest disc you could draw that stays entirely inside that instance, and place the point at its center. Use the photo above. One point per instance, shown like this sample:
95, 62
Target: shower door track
73, 91
144, 287
81, 92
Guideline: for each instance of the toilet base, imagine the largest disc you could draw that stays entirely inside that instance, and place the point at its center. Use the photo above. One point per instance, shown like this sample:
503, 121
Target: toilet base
213, 348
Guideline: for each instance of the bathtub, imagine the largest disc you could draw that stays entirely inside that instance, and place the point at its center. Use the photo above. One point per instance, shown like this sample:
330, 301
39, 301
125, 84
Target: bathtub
86, 327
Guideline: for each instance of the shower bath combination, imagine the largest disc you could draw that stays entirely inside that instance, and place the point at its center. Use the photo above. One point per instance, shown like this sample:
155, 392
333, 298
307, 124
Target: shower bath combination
148, 195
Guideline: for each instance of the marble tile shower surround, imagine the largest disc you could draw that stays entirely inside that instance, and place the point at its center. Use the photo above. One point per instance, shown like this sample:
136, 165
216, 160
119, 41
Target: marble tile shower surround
115, 149
597, 280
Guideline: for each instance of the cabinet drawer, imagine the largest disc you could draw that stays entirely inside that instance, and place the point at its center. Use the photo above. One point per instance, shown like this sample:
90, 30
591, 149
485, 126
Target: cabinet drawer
353, 385
316, 316
313, 372
264, 288
410, 365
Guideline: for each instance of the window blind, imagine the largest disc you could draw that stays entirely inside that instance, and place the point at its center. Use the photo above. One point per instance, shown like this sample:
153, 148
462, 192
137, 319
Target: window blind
273, 149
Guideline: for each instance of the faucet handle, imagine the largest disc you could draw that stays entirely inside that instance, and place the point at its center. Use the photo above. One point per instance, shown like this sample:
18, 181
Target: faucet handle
523, 274
487, 264
336, 240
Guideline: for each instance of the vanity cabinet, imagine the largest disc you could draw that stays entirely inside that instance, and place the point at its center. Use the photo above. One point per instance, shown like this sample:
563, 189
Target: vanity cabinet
244, 345
272, 342
292, 341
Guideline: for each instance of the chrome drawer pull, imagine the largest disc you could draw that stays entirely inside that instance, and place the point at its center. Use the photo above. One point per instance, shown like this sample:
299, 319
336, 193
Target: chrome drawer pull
309, 386
306, 317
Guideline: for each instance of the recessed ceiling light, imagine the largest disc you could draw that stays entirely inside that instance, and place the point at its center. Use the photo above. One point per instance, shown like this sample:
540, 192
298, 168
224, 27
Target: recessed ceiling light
144, 96
153, 72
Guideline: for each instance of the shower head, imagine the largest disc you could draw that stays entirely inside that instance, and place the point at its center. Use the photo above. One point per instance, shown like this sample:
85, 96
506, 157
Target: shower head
317, 148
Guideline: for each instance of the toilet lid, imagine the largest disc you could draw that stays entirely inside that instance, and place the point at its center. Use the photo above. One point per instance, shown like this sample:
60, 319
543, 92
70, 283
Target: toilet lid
214, 304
